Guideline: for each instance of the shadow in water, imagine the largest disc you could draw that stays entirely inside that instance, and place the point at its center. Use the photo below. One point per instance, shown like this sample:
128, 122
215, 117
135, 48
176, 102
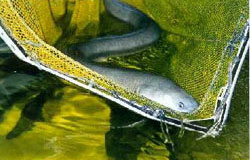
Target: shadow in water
32, 112
17, 81
31, 92
137, 142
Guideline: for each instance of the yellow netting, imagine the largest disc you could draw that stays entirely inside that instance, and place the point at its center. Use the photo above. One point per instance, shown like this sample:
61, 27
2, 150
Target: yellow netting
49, 56
33, 24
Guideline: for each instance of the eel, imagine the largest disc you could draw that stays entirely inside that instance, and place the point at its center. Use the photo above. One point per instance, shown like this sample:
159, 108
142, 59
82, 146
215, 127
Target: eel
156, 88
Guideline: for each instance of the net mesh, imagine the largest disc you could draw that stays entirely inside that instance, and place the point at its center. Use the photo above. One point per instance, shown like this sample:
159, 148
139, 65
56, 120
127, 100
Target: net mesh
41, 52
205, 72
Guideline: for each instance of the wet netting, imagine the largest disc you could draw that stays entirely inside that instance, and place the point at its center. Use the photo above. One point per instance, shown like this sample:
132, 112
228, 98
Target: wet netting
210, 50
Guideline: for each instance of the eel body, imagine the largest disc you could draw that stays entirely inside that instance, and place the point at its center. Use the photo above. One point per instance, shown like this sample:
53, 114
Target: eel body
146, 32
157, 88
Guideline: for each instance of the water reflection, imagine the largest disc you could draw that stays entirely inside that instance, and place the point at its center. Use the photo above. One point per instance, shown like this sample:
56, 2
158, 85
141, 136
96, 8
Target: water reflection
71, 128
50, 120
139, 142
44, 118
31, 113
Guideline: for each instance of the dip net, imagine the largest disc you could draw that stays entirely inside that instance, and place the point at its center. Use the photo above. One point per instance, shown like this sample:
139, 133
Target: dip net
207, 51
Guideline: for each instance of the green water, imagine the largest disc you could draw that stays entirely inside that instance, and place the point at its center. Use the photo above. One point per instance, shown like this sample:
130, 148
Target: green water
43, 118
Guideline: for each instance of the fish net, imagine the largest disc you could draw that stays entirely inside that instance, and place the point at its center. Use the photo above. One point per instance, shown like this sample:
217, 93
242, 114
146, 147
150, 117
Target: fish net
36, 30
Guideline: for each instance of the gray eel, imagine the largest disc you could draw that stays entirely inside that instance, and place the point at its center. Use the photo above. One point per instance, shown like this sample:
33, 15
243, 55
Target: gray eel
153, 87
157, 88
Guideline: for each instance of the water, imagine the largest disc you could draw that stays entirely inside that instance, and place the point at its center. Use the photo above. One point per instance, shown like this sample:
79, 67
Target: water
45, 118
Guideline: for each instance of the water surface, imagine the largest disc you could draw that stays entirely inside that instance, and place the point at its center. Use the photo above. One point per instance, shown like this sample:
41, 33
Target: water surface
45, 118
41, 117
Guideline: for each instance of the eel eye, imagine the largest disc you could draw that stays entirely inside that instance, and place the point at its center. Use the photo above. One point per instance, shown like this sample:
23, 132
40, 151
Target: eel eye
181, 105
